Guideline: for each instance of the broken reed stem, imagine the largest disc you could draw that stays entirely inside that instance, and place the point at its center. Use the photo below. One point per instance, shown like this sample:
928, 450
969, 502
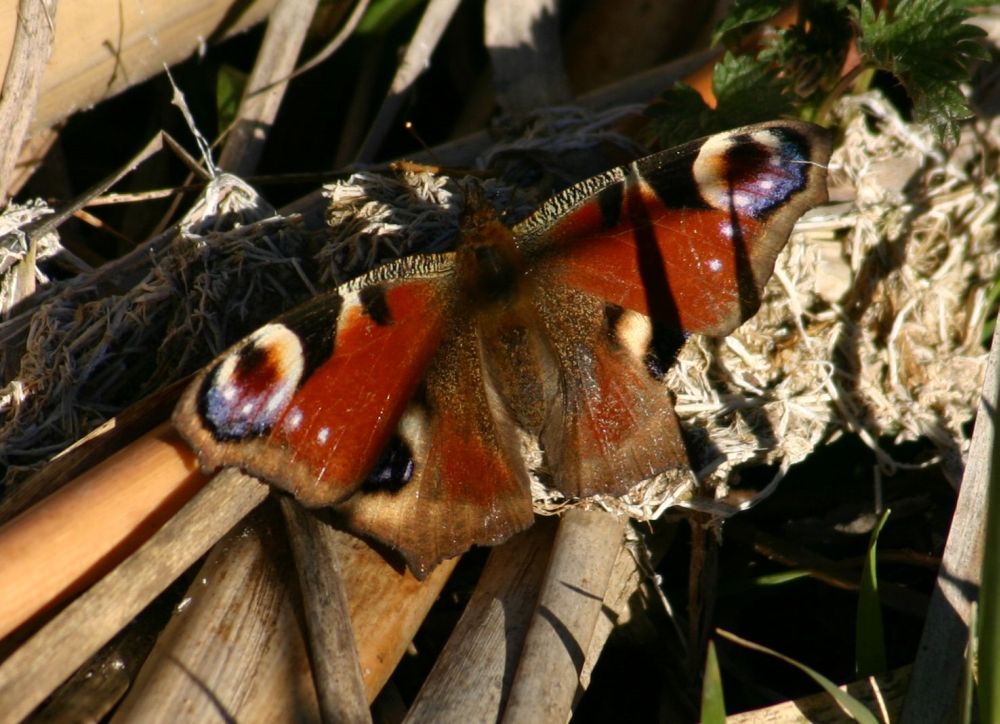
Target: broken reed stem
76, 535
22, 81
471, 677
938, 671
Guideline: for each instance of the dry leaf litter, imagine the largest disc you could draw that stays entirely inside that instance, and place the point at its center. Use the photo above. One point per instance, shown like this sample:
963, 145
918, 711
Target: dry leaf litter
104, 339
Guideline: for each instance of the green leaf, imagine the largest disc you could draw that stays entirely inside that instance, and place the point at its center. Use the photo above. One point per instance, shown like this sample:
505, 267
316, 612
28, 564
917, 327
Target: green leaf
747, 91
229, 86
713, 705
678, 116
869, 640
744, 13
382, 15
782, 577
811, 53
927, 45
858, 711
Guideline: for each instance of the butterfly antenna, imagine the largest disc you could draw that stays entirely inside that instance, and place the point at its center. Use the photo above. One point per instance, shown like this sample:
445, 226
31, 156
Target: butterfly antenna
412, 130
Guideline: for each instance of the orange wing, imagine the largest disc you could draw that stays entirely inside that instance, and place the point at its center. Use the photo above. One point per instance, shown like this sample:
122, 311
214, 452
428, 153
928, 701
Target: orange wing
311, 401
469, 485
687, 236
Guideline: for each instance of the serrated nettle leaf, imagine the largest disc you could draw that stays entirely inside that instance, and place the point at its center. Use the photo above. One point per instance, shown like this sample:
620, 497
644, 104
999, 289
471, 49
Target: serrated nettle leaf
679, 115
747, 91
928, 46
745, 13
811, 53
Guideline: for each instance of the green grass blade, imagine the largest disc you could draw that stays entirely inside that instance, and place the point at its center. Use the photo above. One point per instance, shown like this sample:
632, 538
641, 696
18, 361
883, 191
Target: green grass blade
713, 704
989, 593
869, 641
854, 708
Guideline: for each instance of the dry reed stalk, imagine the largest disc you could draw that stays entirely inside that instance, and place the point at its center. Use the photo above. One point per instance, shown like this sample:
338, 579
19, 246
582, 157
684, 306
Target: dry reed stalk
77, 534
547, 680
939, 669
238, 644
102, 47
31, 673
471, 678
22, 80
332, 646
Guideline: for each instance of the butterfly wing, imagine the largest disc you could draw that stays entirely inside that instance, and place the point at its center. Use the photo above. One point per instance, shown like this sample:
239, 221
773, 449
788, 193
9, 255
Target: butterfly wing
405, 398
470, 485
687, 236
372, 399
311, 401
614, 423
630, 262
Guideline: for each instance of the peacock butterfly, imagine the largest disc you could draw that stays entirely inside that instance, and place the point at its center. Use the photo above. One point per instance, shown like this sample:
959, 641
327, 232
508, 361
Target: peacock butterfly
406, 398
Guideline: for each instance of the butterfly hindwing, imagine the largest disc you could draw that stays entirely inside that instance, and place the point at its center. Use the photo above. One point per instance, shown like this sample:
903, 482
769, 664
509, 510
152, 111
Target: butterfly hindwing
470, 485
613, 423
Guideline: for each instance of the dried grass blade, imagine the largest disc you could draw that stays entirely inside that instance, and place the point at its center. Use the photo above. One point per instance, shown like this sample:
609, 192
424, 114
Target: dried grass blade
416, 58
286, 30
345, 32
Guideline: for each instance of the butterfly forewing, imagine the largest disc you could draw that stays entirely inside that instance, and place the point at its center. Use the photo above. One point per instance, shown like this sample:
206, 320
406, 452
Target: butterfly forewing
311, 401
687, 236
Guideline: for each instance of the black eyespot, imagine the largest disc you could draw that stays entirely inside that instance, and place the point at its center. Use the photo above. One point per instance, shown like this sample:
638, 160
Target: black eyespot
393, 470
